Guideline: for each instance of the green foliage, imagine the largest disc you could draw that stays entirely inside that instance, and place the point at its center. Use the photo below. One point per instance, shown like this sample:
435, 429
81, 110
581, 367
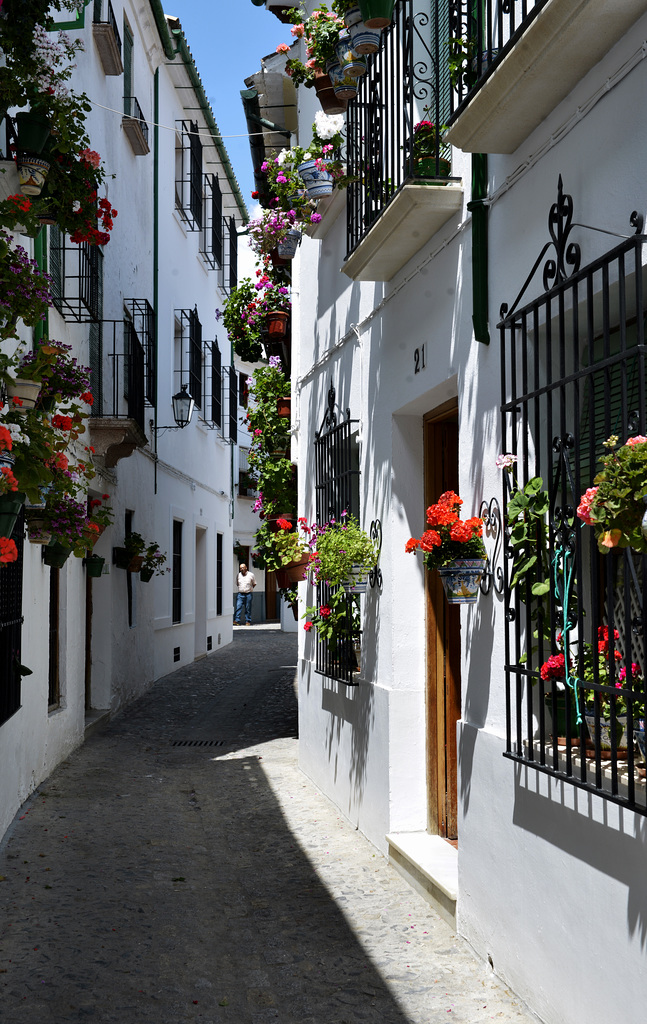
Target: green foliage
243, 321
341, 548
336, 619
618, 505
528, 533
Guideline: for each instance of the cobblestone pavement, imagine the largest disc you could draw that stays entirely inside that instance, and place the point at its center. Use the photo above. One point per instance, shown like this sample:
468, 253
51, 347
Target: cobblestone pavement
151, 880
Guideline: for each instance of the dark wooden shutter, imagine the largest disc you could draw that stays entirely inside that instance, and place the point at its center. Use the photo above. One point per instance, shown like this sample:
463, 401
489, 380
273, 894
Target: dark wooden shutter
216, 386
56, 265
128, 69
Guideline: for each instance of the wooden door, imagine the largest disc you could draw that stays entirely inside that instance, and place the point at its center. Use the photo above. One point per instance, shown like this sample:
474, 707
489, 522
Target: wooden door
443, 639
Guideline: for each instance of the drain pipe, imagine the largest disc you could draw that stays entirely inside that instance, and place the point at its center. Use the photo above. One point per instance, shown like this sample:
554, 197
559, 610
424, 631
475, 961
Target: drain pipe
479, 210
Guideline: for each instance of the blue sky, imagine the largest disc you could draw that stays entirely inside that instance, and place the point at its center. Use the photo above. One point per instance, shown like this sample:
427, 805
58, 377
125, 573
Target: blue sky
227, 39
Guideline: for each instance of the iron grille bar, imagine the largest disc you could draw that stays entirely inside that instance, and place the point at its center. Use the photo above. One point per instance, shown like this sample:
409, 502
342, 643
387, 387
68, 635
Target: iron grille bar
11, 627
125, 372
574, 372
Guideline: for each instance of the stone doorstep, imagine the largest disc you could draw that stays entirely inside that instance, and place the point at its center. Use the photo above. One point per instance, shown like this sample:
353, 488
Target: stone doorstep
430, 865
94, 719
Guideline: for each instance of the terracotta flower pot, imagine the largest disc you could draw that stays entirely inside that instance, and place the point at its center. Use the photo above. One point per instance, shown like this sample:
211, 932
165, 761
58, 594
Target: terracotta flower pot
291, 573
283, 407
376, 13
277, 323
330, 103
122, 558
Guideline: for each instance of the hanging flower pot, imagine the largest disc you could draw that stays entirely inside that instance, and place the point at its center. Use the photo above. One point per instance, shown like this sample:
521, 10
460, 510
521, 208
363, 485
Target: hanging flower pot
32, 172
292, 573
288, 246
32, 129
461, 580
297, 199
283, 407
123, 559
94, 565
26, 391
38, 530
330, 103
606, 730
10, 506
7, 460
277, 323
278, 261
357, 582
56, 554
376, 13
344, 85
146, 575
317, 180
350, 62
364, 40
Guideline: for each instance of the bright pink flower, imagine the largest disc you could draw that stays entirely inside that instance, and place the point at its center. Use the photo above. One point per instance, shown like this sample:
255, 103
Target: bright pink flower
584, 507
639, 439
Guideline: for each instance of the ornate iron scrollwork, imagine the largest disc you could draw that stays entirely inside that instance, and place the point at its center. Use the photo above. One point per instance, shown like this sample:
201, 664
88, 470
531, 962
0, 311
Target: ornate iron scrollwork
490, 513
329, 421
375, 533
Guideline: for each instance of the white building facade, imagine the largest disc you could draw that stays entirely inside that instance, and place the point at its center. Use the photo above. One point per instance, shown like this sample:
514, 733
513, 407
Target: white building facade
407, 370
141, 313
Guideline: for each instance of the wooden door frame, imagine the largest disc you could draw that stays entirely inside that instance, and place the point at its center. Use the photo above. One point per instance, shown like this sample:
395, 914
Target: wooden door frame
443, 684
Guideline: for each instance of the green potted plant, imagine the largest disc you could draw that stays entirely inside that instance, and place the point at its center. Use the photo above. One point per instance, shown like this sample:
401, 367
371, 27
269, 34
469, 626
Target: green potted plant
427, 161
244, 321
615, 505
344, 555
131, 555
454, 547
292, 549
153, 564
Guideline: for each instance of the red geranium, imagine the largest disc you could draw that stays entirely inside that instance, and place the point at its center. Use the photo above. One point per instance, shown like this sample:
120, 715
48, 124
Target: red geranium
8, 550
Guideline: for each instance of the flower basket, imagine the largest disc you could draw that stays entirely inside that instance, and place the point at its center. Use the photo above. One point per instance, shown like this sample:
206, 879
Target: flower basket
94, 565
32, 172
376, 13
56, 554
357, 582
26, 391
291, 573
38, 530
146, 575
277, 323
32, 130
283, 407
330, 103
123, 559
288, 246
10, 506
317, 180
461, 580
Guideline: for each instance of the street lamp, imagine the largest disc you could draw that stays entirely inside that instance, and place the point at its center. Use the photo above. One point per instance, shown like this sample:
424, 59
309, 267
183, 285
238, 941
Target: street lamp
183, 406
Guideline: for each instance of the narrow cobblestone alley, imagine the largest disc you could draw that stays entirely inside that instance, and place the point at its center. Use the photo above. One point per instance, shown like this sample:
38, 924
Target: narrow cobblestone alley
151, 879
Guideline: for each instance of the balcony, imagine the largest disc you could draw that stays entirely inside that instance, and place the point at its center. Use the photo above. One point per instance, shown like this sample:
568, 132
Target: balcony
107, 41
122, 391
135, 126
403, 191
514, 63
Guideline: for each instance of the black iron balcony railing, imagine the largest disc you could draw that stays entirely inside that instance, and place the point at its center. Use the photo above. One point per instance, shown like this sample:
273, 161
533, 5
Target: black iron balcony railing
76, 272
133, 110
124, 376
110, 19
481, 32
407, 83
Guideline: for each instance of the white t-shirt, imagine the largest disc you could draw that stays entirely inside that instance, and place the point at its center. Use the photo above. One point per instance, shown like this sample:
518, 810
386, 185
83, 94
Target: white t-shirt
245, 583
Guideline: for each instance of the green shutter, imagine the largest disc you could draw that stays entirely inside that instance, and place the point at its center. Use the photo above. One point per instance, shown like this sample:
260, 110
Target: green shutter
56, 265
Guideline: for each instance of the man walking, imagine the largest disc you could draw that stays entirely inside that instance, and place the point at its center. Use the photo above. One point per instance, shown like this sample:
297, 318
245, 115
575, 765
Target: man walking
246, 583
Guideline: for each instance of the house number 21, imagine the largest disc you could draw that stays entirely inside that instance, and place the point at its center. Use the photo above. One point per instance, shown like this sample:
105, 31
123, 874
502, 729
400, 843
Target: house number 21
419, 359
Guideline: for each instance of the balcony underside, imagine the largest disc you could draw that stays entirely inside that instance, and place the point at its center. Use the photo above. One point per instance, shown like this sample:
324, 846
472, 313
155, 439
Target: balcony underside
412, 218
329, 207
560, 46
106, 43
135, 135
114, 439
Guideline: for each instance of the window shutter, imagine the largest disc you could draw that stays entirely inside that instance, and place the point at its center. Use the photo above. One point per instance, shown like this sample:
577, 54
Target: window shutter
216, 386
128, 69
56, 265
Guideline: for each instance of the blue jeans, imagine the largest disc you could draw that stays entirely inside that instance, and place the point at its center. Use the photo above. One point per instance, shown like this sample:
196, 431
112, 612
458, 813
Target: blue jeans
243, 601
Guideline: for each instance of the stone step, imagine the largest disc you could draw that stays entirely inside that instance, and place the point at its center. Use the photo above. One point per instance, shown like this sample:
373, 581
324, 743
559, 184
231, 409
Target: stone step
430, 866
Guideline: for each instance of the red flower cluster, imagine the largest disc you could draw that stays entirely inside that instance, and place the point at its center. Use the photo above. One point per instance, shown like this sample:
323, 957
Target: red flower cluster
8, 550
465, 531
325, 611
603, 642
9, 482
88, 397
62, 422
284, 524
554, 668
19, 203
308, 627
449, 532
5, 439
88, 231
445, 511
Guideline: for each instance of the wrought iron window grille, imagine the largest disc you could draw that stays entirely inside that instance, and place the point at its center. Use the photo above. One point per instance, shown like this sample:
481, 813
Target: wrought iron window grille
11, 620
246, 480
220, 404
189, 175
190, 371
211, 239
573, 373
75, 270
231, 258
109, 19
406, 82
479, 37
127, 376
493, 577
337, 490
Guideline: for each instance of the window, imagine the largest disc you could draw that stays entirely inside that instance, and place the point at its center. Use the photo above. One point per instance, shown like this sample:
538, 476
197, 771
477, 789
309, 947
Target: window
11, 618
107, 39
188, 336
177, 571
233, 254
77, 276
218, 574
216, 385
211, 243
243, 390
129, 576
53, 682
188, 175
336, 490
128, 68
574, 372
246, 480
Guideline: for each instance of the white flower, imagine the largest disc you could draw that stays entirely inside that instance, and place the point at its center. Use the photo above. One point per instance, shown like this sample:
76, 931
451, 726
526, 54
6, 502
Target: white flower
284, 155
327, 125
505, 461
76, 206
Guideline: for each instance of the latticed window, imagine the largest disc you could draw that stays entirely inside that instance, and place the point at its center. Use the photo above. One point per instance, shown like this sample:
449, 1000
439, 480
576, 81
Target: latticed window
188, 183
189, 359
212, 235
76, 273
574, 385
337, 491
232, 280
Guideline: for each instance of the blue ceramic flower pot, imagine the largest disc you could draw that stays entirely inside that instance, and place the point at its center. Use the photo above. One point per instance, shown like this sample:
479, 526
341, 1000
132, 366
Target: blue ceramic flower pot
317, 180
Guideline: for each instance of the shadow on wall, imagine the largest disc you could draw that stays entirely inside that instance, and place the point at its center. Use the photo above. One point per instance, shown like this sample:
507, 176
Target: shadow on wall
619, 852
349, 706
